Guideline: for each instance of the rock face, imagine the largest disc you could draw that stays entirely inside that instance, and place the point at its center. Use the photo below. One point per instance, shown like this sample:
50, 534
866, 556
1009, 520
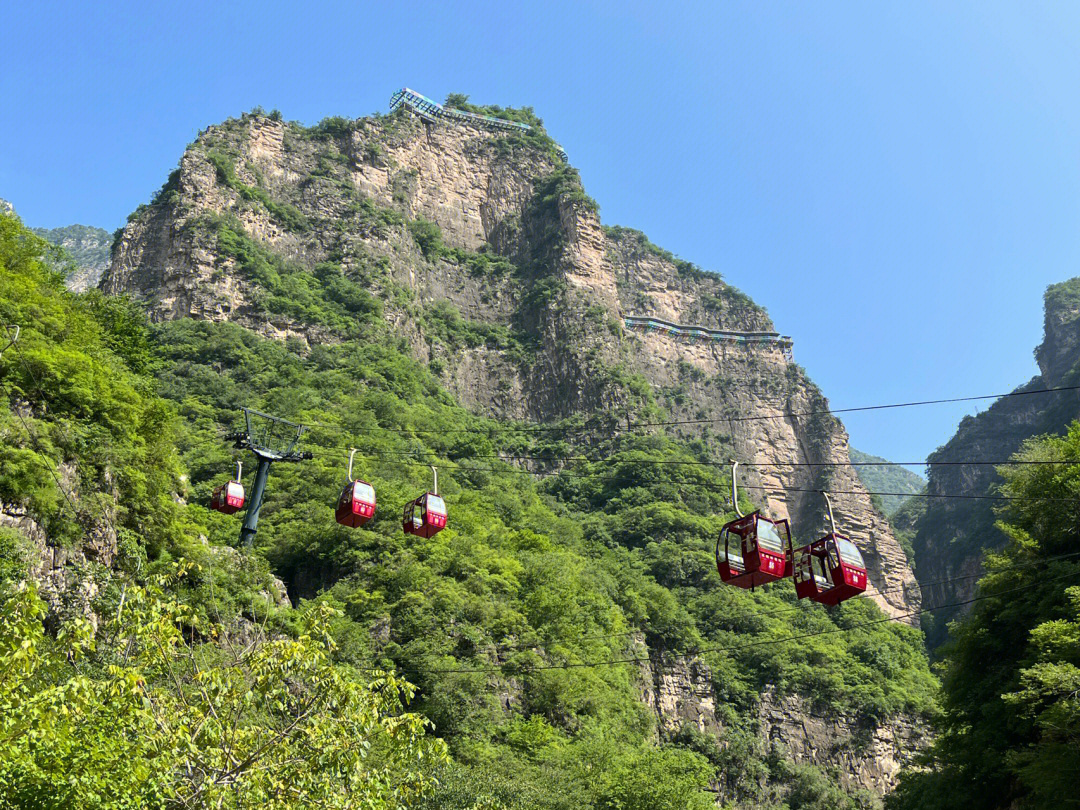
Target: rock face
864, 755
952, 534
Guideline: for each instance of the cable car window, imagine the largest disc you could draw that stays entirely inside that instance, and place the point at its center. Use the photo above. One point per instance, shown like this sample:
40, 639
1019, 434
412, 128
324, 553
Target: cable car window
436, 505
769, 537
822, 574
364, 492
850, 554
735, 560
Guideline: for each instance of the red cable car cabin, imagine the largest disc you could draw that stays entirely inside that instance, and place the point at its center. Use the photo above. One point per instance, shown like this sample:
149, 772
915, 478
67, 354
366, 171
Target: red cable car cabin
829, 570
424, 517
755, 551
228, 498
356, 506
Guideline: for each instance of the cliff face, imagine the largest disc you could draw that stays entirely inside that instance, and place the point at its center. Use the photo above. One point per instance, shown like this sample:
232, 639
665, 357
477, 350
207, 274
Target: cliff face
353, 194
863, 755
952, 535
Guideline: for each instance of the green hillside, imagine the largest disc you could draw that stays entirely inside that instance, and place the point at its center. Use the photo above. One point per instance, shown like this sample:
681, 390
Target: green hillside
86, 247
527, 626
887, 479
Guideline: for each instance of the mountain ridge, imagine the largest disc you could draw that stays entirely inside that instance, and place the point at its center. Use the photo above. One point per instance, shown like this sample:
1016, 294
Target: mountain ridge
492, 196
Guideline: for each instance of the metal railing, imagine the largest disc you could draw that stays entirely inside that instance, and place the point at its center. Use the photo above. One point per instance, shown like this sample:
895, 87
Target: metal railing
431, 110
700, 334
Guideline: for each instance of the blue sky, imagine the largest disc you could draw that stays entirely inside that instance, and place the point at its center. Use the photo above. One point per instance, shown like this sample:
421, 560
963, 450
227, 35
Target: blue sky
896, 182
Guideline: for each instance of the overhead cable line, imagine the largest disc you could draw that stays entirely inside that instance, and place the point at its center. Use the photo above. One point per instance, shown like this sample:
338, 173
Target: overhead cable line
833, 412
570, 474
698, 463
594, 422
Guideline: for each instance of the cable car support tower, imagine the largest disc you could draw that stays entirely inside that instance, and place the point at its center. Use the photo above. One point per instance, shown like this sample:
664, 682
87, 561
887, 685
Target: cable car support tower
271, 439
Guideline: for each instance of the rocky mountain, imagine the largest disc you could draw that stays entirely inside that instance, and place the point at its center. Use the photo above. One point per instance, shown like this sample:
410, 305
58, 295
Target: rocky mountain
887, 479
458, 227
445, 293
952, 535
88, 248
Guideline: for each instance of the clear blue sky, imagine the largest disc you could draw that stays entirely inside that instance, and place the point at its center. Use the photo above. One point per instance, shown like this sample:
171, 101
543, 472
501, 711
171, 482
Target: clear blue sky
896, 182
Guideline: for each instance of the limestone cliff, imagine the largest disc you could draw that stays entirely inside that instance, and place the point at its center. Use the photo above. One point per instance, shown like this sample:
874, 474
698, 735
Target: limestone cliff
863, 755
351, 194
952, 535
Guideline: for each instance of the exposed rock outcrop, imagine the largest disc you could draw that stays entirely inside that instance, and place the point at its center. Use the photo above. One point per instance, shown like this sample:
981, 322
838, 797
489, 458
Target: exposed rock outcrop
863, 754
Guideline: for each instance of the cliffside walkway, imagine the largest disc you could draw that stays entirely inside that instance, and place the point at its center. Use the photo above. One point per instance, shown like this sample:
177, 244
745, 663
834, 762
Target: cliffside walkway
700, 334
431, 110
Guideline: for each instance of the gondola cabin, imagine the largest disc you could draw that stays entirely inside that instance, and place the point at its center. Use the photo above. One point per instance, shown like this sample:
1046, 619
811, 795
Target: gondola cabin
829, 570
424, 517
753, 550
356, 506
228, 498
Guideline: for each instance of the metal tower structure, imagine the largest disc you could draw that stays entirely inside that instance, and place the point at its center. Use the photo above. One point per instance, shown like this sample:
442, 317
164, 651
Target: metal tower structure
271, 439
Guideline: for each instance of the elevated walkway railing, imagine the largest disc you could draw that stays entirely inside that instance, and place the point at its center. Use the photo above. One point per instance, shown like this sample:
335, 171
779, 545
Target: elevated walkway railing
431, 110
700, 334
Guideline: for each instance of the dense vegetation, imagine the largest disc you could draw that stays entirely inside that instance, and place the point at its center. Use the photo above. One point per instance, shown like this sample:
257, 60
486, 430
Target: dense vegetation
528, 627
87, 246
1010, 729
887, 479
955, 533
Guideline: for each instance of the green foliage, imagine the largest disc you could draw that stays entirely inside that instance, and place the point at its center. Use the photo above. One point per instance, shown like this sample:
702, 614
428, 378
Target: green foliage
443, 322
664, 779
323, 295
136, 715
496, 620
428, 237
333, 127
287, 214
563, 185
77, 401
1010, 731
535, 139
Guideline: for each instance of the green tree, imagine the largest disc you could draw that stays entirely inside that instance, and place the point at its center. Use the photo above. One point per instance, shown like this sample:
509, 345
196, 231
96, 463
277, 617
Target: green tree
1011, 722
158, 709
